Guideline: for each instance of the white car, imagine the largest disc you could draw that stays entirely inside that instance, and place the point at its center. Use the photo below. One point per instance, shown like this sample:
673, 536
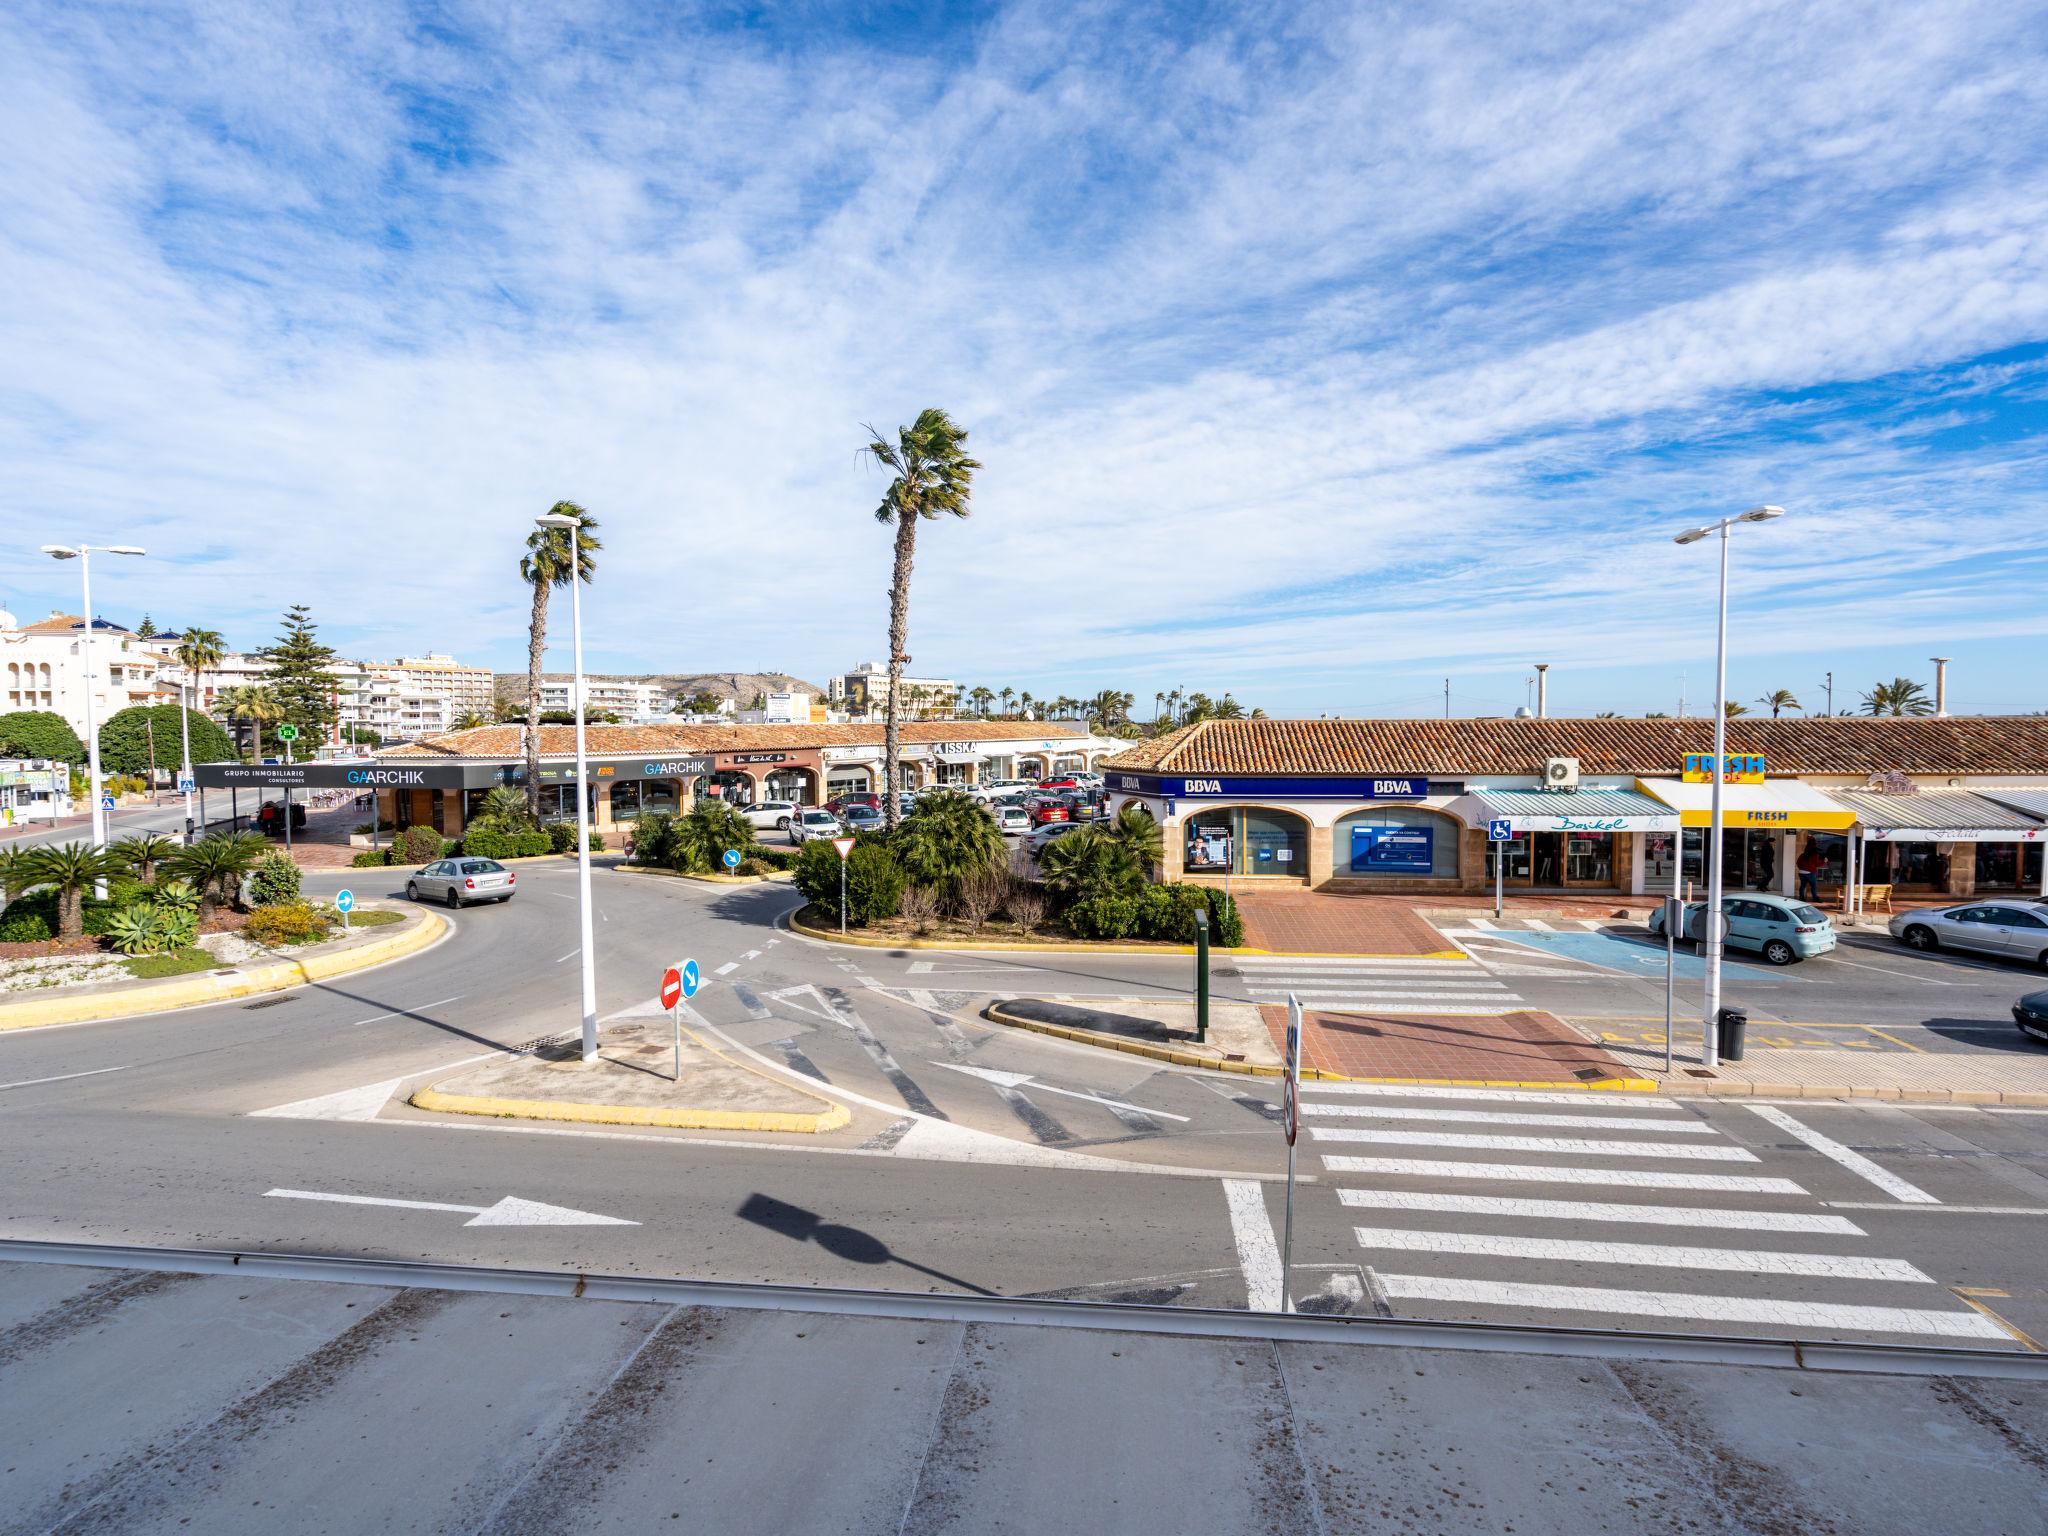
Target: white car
807, 824
770, 813
1012, 820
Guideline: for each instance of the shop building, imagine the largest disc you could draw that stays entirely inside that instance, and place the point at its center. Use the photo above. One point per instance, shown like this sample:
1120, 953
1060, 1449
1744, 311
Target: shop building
1592, 805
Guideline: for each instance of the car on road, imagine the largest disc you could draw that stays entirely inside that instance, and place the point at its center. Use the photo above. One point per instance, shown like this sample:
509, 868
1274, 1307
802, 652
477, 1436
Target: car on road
1040, 837
770, 813
1777, 927
462, 881
2015, 930
1012, 819
861, 818
808, 824
2031, 1014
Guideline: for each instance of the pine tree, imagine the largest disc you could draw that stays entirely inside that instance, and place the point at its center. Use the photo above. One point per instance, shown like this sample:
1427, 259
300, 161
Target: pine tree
147, 629
299, 677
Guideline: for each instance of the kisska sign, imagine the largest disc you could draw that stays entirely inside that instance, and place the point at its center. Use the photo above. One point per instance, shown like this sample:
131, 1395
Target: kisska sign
1239, 786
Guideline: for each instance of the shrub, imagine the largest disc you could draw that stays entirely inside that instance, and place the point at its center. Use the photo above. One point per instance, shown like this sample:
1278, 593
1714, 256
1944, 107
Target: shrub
1226, 927
371, 858
977, 898
530, 845
654, 837
133, 930
1167, 912
874, 880
23, 928
1026, 906
919, 905
418, 845
950, 837
1086, 864
174, 896
751, 867
1103, 917
773, 858
290, 922
561, 836
274, 879
702, 836
596, 842
487, 844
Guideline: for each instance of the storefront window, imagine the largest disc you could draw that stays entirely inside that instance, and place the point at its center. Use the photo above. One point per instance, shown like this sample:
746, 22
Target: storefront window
1246, 842
626, 800
1920, 865
999, 768
791, 784
1397, 842
1589, 858
1998, 866
658, 796
847, 781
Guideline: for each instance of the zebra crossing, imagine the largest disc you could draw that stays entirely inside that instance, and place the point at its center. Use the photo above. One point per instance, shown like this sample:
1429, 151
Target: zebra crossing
1380, 985
1678, 1224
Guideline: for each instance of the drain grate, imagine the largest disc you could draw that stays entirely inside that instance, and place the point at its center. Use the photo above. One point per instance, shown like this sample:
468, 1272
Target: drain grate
268, 1002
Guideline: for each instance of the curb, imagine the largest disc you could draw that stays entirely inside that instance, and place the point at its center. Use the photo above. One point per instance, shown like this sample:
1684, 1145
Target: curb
633, 1114
1881, 1092
209, 987
781, 876
1167, 1053
829, 936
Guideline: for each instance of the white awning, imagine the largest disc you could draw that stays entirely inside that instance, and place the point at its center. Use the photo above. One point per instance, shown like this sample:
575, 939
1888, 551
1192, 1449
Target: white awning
1574, 810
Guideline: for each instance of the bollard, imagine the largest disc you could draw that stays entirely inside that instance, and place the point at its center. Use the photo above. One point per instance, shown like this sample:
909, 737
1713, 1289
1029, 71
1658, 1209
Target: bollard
1201, 978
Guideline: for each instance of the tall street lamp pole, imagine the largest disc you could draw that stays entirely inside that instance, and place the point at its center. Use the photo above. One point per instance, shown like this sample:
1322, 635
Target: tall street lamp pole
1713, 924
572, 524
83, 554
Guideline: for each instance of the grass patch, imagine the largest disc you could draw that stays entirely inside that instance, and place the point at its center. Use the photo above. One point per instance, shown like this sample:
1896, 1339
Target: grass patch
370, 919
179, 962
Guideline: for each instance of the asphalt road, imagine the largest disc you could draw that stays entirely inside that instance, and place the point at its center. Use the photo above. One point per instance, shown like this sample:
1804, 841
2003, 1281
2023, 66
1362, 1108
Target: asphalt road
980, 1159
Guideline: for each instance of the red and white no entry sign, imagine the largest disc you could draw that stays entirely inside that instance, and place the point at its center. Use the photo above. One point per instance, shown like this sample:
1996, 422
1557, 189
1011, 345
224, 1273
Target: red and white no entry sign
671, 987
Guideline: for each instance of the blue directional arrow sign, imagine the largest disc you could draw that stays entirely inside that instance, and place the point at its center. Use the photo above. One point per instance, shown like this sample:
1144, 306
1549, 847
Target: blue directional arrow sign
692, 978
344, 901
732, 858
1500, 830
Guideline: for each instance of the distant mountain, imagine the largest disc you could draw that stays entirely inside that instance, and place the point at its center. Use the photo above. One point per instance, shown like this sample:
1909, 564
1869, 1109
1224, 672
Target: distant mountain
740, 687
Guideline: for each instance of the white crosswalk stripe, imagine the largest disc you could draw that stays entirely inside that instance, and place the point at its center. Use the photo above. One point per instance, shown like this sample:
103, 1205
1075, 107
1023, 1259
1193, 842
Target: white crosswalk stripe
1473, 1252
1379, 984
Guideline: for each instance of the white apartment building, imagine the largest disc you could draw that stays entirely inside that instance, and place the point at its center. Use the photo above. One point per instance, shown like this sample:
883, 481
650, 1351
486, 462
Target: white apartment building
863, 694
604, 696
400, 700
42, 666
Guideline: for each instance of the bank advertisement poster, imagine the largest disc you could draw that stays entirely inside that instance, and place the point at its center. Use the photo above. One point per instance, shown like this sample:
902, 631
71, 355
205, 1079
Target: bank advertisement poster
1393, 850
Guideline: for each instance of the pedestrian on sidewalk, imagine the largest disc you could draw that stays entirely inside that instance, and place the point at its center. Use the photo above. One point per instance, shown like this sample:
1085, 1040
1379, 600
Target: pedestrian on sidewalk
1809, 866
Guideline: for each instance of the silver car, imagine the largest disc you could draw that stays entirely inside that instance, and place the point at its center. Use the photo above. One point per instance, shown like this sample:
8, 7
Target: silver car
461, 881
2016, 930
807, 824
1012, 820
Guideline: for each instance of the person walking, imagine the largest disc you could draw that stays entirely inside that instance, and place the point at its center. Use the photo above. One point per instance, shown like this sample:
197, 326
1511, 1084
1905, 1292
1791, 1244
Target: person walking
1809, 866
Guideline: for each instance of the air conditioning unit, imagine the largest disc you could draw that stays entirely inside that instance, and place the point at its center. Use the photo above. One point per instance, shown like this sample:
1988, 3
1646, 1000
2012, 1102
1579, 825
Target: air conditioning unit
1560, 773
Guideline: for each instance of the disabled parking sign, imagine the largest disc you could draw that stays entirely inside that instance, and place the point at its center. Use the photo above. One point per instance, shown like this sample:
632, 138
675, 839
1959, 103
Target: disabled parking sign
1500, 830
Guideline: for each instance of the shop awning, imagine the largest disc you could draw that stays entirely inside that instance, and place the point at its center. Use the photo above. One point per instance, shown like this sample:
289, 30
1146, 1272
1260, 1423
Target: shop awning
1571, 810
1939, 816
1785, 803
2031, 800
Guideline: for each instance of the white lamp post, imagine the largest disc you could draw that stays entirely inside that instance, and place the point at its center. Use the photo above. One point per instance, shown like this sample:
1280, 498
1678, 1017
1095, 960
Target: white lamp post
1714, 925
83, 554
572, 524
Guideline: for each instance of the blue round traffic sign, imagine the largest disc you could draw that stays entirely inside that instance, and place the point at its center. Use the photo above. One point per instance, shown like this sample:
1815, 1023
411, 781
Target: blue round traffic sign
344, 901
692, 978
732, 858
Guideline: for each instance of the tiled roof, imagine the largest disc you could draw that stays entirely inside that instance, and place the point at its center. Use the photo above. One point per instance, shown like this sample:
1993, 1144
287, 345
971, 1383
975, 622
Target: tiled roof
67, 623
505, 741
1836, 744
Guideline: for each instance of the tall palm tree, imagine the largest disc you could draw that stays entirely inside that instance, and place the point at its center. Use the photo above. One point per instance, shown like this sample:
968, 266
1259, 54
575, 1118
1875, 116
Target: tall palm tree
1158, 705
982, 697
198, 649
934, 475
1900, 696
1228, 708
550, 561
255, 703
1735, 707
1008, 697
1779, 699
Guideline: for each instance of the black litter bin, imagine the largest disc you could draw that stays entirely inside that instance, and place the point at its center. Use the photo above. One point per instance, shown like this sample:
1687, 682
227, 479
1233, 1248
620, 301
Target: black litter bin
1734, 1026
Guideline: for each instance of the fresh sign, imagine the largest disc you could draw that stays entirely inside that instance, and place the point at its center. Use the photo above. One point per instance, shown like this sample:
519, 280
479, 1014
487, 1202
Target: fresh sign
1736, 768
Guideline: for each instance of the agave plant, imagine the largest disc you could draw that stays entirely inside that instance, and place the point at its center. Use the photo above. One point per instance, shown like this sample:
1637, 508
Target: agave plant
143, 852
175, 896
134, 930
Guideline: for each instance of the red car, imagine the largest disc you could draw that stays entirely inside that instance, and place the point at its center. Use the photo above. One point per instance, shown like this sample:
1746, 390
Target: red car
1061, 783
1043, 809
840, 803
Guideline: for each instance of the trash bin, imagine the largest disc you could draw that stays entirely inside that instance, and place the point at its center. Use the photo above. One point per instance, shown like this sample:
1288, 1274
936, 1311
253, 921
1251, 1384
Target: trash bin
1733, 1026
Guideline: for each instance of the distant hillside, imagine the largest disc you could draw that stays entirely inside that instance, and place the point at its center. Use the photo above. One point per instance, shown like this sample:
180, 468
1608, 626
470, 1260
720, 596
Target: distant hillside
740, 687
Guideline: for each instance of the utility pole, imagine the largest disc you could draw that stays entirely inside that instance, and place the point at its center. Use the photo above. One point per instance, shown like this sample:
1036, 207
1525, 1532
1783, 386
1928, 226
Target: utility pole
1447, 698
1831, 693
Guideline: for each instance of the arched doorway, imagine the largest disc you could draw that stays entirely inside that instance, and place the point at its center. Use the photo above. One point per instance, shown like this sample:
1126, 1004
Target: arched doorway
1398, 842
792, 783
1245, 840
849, 779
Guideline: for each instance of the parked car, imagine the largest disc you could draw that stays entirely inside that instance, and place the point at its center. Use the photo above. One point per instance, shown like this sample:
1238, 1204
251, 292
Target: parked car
862, 818
1777, 927
461, 881
1064, 781
770, 813
807, 824
1012, 819
1044, 808
839, 803
2016, 930
2031, 1014
1037, 839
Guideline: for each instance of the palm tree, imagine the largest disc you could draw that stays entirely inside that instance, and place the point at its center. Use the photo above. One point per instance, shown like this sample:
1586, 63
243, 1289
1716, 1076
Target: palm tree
1024, 702
982, 699
1735, 707
198, 649
1134, 830
1779, 699
550, 561
470, 722
952, 838
215, 865
143, 852
255, 703
1229, 709
70, 867
933, 475
1608, 714
1008, 697
1900, 696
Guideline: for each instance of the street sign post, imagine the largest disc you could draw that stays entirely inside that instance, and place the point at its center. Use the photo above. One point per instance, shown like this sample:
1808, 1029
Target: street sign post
1291, 1101
1674, 914
106, 802
1499, 830
732, 858
344, 903
1202, 977
287, 732
678, 983
845, 847
186, 783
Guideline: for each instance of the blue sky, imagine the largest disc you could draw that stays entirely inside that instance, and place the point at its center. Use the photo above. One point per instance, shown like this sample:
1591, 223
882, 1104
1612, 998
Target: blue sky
1314, 354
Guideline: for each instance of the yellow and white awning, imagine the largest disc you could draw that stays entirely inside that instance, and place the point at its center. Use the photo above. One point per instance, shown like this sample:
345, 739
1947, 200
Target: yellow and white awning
1782, 803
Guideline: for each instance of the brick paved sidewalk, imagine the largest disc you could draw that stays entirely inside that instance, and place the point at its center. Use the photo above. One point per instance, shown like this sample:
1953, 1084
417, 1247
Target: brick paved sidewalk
1317, 922
1524, 1047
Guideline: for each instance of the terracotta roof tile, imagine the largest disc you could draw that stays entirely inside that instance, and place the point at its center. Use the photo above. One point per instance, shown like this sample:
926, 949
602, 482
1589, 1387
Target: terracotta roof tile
1832, 745
504, 741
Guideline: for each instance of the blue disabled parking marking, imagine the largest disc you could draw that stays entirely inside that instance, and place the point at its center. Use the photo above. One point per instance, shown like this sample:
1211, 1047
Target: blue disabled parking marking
1630, 957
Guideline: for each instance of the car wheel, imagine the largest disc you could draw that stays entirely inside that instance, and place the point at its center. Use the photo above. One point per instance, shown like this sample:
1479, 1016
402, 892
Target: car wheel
412, 891
454, 900
1920, 938
782, 823
1778, 952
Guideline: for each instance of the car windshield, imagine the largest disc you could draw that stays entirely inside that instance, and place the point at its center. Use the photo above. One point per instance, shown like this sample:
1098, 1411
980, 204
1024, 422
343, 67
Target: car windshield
1809, 914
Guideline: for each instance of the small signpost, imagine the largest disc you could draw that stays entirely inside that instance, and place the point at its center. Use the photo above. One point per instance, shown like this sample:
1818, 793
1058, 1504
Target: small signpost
678, 983
1291, 1123
1499, 830
845, 847
106, 802
344, 903
186, 783
732, 858
287, 732
1674, 914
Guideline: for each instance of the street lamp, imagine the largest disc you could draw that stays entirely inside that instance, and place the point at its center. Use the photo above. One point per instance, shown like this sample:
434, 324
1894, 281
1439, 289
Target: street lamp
1715, 925
83, 554
572, 524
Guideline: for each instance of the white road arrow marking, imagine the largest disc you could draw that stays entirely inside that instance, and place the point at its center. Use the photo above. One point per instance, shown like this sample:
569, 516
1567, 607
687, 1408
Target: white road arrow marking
1020, 1079
508, 1212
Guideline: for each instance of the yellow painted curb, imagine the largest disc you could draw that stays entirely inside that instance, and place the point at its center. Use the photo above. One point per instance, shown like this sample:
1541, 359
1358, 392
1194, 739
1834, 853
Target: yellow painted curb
677, 874
206, 987
830, 1119
832, 936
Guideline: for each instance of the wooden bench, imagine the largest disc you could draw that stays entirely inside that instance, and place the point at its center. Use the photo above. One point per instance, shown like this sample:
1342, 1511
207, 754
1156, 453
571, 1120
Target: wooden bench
1868, 896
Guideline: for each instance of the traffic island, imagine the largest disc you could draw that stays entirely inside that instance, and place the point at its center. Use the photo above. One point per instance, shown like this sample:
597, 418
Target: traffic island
1237, 1039
632, 1082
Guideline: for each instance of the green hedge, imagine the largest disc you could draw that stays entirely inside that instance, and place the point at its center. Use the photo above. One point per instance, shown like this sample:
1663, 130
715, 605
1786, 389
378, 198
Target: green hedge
1104, 917
874, 880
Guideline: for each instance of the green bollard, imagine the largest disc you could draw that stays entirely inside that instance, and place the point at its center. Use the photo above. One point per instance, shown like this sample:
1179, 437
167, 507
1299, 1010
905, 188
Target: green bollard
1201, 978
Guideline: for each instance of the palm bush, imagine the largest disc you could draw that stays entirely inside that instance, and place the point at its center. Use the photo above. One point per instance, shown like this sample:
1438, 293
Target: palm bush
15, 875
216, 864
702, 836
654, 836
143, 852
1087, 864
68, 869
949, 838
507, 806
1135, 831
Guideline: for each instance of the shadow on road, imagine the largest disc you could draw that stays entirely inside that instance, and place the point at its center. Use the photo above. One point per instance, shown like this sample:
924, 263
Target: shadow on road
848, 1243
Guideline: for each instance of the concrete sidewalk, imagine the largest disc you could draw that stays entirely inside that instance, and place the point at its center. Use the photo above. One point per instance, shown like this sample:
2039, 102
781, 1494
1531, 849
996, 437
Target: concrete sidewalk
1950, 1077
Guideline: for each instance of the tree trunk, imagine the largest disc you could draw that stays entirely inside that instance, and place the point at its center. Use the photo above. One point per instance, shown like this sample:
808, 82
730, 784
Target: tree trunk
899, 636
70, 912
536, 642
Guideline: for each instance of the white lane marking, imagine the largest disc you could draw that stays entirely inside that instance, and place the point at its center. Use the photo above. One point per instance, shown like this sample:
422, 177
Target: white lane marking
64, 1077
1534, 1173
1597, 1210
1566, 1250
572, 954
1483, 924
1470, 992
1855, 1162
730, 965
1347, 962
1815, 1316
1507, 1117
1539, 925
1024, 1080
1589, 1098
511, 1211
394, 1013
349, 1104
1258, 1254
1574, 1146
561, 896
752, 954
933, 968
1348, 1003
1940, 1210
